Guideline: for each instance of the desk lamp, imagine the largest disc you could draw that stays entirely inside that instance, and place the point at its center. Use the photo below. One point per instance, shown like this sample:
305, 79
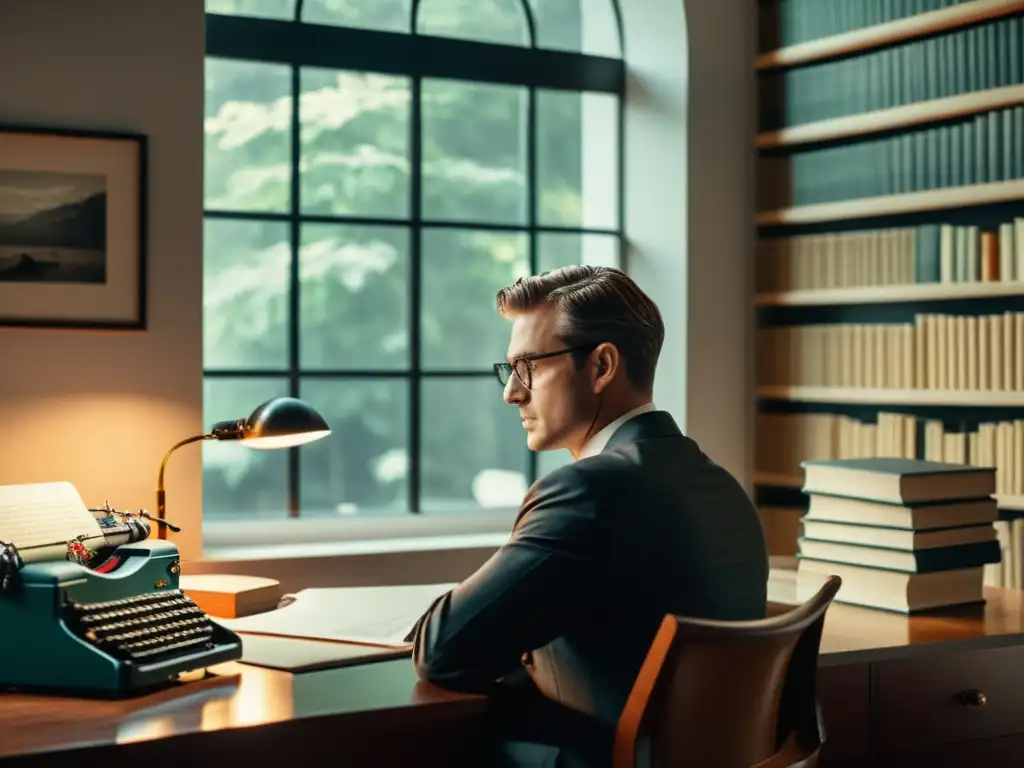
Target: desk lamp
282, 422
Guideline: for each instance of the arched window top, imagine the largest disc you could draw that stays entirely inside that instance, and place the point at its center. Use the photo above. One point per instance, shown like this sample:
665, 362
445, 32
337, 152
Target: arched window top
591, 27
261, 9
506, 22
379, 15
579, 26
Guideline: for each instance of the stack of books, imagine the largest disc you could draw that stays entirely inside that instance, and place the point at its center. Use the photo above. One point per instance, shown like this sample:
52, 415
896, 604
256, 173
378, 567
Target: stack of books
904, 535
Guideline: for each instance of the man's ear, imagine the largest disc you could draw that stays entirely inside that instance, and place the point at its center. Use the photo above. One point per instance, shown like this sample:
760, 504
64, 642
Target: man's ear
606, 363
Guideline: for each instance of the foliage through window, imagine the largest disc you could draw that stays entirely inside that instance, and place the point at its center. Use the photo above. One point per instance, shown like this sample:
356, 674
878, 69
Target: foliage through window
375, 171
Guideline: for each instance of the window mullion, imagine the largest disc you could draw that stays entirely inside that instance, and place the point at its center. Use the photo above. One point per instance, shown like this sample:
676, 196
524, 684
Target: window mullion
415, 295
620, 225
531, 221
294, 331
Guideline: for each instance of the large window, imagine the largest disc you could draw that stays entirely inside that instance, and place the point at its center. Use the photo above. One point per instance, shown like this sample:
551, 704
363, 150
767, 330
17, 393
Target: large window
375, 171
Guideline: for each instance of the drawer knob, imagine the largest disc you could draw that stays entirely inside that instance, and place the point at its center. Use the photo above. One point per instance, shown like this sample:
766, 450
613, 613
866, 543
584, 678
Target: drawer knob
972, 699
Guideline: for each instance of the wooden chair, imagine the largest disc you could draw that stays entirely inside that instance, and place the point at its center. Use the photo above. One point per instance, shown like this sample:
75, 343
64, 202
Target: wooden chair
723, 694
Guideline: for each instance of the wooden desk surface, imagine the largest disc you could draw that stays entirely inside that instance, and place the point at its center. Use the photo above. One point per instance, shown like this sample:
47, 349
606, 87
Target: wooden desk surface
385, 697
862, 634
246, 696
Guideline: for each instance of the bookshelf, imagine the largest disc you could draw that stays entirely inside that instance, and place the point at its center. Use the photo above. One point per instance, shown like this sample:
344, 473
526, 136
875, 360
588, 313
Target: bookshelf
888, 294
881, 120
892, 396
1009, 503
899, 25
890, 249
890, 205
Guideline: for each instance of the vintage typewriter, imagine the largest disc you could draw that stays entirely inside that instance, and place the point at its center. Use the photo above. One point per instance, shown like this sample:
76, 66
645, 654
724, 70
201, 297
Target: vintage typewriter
99, 613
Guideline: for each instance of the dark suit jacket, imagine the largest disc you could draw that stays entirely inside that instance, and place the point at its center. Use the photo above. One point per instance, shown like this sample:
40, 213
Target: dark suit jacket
601, 550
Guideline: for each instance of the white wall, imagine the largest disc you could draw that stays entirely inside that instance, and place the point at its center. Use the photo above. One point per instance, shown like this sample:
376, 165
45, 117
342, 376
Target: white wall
721, 124
100, 408
689, 192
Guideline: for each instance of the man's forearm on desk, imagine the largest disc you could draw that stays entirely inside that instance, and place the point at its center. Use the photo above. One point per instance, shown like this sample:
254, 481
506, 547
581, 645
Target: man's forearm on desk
549, 574
515, 682
439, 661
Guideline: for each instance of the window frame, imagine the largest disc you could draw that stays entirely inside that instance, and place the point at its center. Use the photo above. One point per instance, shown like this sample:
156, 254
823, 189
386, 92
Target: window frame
299, 44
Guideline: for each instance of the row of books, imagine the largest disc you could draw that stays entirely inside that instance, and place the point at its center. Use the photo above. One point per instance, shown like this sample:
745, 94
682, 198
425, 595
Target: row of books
964, 60
983, 148
904, 535
936, 351
784, 440
788, 22
931, 253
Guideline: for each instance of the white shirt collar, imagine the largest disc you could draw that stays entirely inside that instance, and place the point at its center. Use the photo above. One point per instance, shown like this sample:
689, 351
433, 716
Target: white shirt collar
597, 443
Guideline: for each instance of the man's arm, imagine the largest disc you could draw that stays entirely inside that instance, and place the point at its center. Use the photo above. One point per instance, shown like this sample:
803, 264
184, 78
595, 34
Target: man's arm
533, 588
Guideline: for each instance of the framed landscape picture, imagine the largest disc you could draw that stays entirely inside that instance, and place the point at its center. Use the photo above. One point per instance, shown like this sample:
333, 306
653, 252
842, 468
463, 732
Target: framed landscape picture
72, 229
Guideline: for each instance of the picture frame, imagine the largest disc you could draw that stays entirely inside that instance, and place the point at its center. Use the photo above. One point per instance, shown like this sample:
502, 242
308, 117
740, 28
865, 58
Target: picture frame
72, 229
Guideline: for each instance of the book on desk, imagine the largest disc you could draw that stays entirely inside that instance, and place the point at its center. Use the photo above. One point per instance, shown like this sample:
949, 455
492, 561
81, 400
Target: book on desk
905, 535
89, 604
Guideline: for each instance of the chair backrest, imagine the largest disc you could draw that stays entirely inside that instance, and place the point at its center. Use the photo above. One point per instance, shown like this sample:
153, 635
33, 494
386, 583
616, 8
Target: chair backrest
728, 694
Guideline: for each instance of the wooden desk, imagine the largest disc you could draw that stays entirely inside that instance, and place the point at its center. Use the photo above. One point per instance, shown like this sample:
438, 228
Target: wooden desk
887, 686
898, 691
374, 715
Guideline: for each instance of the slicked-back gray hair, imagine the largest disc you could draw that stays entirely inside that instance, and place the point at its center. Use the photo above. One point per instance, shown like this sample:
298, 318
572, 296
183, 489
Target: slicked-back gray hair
595, 305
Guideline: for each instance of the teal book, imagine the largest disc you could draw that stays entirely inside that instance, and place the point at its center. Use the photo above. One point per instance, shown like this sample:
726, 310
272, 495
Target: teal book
953, 558
896, 538
877, 517
898, 481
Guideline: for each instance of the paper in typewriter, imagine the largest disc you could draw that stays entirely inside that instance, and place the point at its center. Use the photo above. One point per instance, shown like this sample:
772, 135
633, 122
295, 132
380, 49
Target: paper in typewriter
36, 514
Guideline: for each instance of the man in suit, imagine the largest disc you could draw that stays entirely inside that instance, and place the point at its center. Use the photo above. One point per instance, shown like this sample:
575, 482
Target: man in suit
641, 524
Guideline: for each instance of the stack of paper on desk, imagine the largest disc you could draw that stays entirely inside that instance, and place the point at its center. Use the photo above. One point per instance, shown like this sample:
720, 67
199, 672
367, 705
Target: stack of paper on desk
382, 616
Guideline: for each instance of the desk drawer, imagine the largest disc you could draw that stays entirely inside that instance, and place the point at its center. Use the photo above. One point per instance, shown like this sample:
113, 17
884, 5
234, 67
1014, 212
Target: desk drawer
949, 697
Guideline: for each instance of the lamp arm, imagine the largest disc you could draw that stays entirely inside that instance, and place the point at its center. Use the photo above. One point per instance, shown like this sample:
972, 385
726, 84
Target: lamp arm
161, 496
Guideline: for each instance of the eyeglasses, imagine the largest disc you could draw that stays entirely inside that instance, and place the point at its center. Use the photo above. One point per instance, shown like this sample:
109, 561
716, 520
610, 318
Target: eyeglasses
522, 367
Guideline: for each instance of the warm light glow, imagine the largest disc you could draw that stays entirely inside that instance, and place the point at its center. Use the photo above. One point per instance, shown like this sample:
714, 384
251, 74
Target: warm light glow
151, 422
262, 697
145, 729
217, 714
283, 441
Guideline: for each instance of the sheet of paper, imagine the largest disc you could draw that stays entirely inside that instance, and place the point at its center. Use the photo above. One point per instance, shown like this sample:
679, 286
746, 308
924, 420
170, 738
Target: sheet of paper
370, 615
44, 513
299, 654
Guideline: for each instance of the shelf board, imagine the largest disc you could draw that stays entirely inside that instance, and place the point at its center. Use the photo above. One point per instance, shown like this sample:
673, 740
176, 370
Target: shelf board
777, 480
892, 205
898, 31
888, 294
872, 396
895, 117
